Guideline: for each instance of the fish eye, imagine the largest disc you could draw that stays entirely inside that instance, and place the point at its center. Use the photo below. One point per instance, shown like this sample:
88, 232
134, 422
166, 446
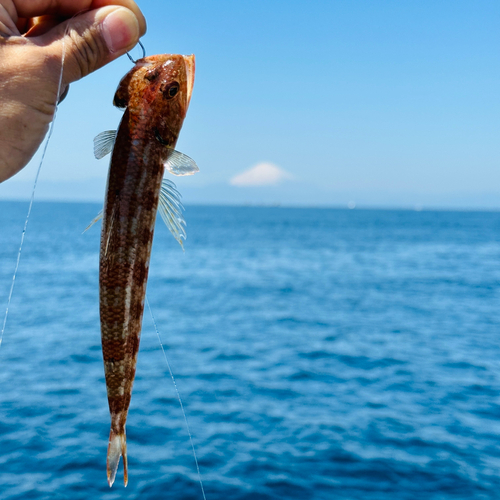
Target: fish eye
171, 90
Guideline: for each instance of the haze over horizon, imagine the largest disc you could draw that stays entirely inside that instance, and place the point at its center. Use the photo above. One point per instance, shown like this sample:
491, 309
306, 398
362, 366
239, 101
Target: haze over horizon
319, 103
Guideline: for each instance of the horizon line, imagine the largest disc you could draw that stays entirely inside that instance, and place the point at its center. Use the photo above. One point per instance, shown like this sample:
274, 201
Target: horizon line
408, 208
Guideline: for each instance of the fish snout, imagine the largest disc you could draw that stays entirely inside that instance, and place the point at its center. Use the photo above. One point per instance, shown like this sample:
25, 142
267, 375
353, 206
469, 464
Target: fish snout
189, 61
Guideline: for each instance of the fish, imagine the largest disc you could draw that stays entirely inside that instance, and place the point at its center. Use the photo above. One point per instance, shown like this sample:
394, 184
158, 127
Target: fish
155, 96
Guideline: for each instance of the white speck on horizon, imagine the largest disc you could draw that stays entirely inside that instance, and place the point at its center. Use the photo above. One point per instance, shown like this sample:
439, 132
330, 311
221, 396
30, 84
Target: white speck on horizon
262, 174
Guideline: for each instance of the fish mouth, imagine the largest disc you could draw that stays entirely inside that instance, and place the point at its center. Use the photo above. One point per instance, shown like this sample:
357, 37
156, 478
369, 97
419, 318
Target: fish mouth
190, 66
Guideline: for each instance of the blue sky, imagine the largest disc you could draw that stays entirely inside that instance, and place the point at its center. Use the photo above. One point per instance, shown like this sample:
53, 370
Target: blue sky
383, 103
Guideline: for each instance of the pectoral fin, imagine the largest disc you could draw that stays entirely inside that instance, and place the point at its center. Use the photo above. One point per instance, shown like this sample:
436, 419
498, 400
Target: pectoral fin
170, 208
178, 163
104, 143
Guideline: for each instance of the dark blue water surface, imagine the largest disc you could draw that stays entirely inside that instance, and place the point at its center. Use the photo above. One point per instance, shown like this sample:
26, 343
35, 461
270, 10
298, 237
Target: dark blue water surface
320, 354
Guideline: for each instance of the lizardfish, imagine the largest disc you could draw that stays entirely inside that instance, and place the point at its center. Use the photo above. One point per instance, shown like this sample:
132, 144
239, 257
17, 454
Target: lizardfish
155, 95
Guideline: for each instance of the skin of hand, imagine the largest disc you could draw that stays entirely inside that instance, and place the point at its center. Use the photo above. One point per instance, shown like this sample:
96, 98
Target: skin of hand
32, 36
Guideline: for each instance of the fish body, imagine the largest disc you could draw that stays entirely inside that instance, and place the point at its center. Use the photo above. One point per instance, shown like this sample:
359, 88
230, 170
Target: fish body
155, 95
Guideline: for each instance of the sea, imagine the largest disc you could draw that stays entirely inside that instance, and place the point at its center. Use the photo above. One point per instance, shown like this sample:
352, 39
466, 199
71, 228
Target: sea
319, 354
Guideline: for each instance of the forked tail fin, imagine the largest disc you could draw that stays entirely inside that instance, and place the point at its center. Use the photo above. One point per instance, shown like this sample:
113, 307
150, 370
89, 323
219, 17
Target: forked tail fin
117, 448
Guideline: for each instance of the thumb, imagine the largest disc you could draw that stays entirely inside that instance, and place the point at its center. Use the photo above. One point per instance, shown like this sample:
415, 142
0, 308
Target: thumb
91, 40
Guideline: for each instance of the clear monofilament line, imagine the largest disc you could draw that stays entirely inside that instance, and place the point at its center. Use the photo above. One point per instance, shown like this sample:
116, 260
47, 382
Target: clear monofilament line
179, 399
51, 129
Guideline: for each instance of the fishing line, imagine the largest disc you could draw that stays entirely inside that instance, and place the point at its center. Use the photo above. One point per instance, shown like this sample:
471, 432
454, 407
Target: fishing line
49, 135
179, 399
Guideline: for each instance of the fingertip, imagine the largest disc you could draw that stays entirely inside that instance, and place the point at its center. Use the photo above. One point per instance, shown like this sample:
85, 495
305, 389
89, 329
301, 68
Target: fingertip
141, 20
121, 30
129, 4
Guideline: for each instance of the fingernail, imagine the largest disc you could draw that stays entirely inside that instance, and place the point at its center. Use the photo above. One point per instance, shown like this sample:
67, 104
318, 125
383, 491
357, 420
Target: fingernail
120, 30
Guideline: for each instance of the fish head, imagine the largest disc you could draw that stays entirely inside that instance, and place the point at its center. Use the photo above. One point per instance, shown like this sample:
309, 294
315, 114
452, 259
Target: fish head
157, 92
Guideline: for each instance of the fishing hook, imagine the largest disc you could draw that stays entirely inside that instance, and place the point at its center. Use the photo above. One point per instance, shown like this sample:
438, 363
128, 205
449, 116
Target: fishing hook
143, 52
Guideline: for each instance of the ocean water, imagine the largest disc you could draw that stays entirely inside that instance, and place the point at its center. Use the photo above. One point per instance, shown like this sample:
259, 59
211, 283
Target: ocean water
320, 354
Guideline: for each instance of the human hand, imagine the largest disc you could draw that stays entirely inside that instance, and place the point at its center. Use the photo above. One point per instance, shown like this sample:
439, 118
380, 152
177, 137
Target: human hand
32, 35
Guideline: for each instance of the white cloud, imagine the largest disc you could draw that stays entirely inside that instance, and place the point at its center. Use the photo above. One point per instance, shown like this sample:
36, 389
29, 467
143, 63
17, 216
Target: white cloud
262, 174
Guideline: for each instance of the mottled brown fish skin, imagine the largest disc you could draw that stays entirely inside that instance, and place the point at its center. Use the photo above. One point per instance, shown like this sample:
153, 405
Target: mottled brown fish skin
151, 122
